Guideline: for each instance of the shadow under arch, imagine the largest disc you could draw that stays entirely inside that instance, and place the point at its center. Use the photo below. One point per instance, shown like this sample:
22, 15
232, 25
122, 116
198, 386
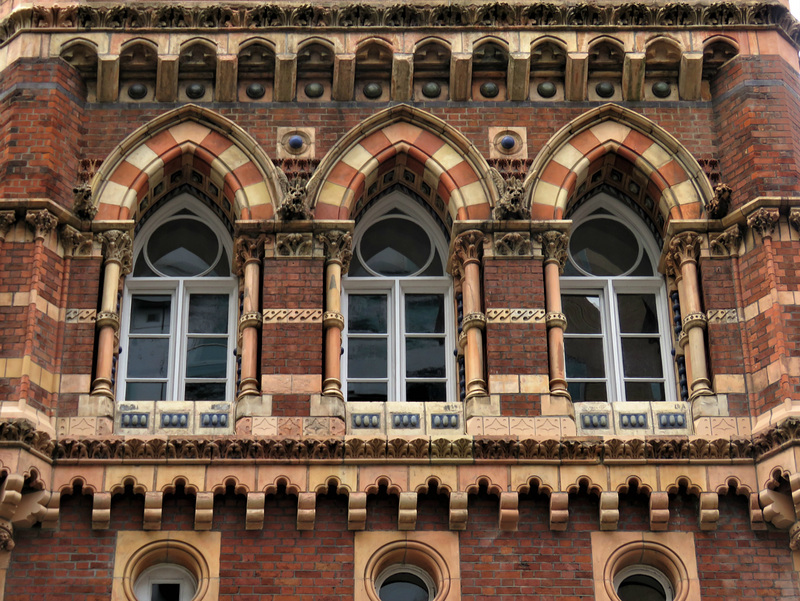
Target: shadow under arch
402, 144
671, 177
188, 145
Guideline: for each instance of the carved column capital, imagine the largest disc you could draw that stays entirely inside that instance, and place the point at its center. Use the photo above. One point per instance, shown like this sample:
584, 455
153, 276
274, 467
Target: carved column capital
41, 222
74, 241
338, 247
794, 218
118, 247
683, 248
513, 244
467, 248
246, 249
727, 243
763, 221
554, 247
7, 220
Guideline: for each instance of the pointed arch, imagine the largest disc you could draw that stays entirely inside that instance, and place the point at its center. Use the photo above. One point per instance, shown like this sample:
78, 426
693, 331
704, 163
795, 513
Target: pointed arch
188, 145
437, 162
675, 182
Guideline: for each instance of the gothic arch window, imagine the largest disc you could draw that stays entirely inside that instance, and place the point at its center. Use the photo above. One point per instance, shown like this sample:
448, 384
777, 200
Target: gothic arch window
398, 307
617, 343
179, 319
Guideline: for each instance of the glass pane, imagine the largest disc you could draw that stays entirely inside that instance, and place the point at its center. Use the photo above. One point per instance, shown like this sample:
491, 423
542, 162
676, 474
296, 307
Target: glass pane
644, 391
207, 358
642, 357
587, 391
583, 314
367, 391
425, 358
150, 314
395, 247
584, 358
148, 357
366, 357
425, 313
644, 268
435, 268
367, 313
141, 269
208, 314
357, 270
223, 267
641, 587
637, 313
604, 247
183, 248
404, 587
145, 391
204, 391
166, 592
421, 392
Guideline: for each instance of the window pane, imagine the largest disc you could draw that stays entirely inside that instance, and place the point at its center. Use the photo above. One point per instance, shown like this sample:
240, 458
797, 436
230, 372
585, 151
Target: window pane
223, 267
204, 391
583, 314
367, 391
424, 313
207, 358
367, 313
150, 314
183, 248
148, 357
208, 314
587, 391
435, 268
166, 592
425, 358
420, 392
644, 391
604, 247
584, 358
641, 357
395, 247
145, 391
637, 313
367, 358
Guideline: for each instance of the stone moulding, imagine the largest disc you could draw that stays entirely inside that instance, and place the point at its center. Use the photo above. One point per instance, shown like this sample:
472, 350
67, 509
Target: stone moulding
497, 15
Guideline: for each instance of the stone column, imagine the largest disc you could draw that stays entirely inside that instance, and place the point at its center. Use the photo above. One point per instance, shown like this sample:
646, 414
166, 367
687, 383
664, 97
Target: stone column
554, 251
467, 253
682, 259
117, 250
248, 267
338, 253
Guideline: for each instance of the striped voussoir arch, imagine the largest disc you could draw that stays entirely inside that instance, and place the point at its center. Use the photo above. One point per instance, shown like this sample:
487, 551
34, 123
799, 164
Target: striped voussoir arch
422, 145
188, 144
676, 182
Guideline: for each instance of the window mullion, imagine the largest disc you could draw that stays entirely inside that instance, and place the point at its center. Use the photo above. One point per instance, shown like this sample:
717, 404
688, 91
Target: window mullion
615, 369
179, 342
397, 361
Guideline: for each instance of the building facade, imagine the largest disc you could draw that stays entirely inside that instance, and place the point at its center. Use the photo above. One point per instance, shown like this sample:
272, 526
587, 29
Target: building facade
399, 301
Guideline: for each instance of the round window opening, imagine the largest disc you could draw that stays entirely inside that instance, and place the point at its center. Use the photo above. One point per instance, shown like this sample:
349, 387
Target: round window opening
642, 583
405, 583
165, 582
605, 247
395, 246
183, 246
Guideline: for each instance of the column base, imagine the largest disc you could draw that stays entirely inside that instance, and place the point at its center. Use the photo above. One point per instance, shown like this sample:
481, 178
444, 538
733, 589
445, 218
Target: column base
97, 404
558, 403
485, 405
253, 405
327, 405
705, 405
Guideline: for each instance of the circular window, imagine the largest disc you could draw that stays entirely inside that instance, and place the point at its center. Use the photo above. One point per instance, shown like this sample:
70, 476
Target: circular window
395, 246
165, 582
604, 247
183, 247
405, 583
642, 583
166, 570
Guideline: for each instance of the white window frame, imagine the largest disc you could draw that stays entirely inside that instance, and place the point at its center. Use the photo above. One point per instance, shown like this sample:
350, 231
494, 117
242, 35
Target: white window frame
396, 288
609, 288
165, 573
179, 289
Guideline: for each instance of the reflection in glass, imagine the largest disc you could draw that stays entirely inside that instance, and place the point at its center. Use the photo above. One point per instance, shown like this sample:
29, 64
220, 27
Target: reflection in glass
404, 587
367, 313
145, 391
637, 313
425, 358
208, 313
206, 358
204, 391
584, 357
641, 357
148, 357
367, 358
583, 314
424, 313
641, 587
604, 247
150, 314
587, 391
644, 391
183, 248
395, 247
423, 392
367, 391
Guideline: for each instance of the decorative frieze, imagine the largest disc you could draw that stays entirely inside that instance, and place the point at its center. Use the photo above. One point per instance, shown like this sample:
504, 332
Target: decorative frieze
722, 316
292, 315
80, 315
496, 315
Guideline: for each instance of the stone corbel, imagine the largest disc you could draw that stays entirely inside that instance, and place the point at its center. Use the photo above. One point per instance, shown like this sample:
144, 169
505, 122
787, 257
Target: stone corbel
728, 242
459, 511
167, 78
460, 76
778, 508
254, 514
227, 76
41, 222
559, 511
10, 497
763, 222
794, 218
338, 254
153, 506
306, 510
709, 510
75, 242
344, 76
101, 510
40, 506
402, 76
357, 511
407, 512
577, 76
108, 78
609, 510
509, 511
285, 77
7, 221
203, 510
659, 511
633, 76
690, 77
519, 75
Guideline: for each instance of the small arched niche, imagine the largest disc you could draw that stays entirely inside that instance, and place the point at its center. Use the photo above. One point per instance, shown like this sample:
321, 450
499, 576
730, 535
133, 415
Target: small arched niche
489, 71
432, 71
314, 72
138, 64
82, 56
606, 58
717, 52
548, 65
197, 70
662, 67
373, 80
256, 72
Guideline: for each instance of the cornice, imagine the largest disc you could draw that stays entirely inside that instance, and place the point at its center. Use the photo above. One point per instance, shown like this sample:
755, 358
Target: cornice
539, 15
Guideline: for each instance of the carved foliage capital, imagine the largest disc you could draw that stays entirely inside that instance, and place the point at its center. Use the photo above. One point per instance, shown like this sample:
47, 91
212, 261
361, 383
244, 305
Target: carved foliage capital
118, 247
763, 221
794, 218
338, 247
41, 222
683, 248
295, 245
467, 248
75, 242
513, 244
245, 250
554, 247
727, 243
6, 536
7, 220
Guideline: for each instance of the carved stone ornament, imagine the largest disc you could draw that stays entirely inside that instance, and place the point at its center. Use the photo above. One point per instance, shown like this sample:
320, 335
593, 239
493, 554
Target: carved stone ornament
727, 243
718, 206
6, 536
554, 247
682, 248
794, 537
108, 318
82, 204
513, 244
41, 222
250, 320
295, 245
293, 206
75, 242
555, 320
467, 248
794, 218
763, 221
117, 246
245, 250
7, 220
511, 202
338, 247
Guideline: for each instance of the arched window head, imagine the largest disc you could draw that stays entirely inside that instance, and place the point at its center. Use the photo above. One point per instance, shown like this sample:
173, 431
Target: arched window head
642, 583
617, 338
178, 323
398, 307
